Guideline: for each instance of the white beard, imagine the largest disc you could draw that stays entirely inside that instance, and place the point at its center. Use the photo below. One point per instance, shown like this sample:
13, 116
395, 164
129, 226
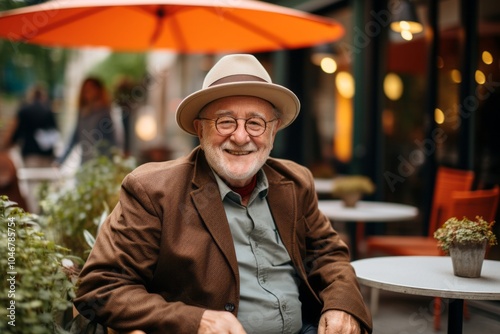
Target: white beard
217, 160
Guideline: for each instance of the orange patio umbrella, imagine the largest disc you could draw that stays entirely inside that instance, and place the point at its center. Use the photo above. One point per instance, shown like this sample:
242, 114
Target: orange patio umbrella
185, 26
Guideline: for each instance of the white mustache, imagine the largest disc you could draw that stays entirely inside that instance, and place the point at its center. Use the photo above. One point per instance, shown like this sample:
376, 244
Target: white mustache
247, 147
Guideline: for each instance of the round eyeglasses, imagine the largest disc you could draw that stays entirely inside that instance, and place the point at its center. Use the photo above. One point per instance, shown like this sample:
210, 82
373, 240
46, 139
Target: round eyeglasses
226, 125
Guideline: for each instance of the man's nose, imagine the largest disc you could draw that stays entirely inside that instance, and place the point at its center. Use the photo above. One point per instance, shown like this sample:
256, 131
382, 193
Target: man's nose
240, 135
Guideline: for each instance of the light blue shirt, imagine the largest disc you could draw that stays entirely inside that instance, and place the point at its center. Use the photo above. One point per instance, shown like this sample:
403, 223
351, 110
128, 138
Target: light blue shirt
269, 296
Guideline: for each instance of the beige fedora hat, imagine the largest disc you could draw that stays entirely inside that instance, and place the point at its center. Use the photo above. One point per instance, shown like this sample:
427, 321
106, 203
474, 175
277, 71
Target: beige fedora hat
233, 75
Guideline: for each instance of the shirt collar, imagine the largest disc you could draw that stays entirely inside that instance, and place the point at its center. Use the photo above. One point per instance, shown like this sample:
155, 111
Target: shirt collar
260, 190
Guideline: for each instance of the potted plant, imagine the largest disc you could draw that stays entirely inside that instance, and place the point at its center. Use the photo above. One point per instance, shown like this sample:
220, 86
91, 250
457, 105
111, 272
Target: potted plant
465, 240
352, 188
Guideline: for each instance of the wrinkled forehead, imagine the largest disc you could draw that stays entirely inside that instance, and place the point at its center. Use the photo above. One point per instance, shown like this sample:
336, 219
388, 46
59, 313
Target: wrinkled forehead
239, 106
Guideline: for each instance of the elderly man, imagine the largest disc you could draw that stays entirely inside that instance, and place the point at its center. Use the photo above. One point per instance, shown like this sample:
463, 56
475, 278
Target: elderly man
226, 239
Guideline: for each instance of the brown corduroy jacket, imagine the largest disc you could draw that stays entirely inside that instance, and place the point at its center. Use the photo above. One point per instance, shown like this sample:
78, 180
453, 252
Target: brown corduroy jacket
165, 253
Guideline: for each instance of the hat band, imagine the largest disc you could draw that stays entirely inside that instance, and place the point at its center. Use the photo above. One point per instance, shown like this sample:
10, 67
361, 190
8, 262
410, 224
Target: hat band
236, 78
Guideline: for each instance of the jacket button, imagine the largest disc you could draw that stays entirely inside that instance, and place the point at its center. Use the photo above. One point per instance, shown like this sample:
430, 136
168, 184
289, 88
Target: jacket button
229, 307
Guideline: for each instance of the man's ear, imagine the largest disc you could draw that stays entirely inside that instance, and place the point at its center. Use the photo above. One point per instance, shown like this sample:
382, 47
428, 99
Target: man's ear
198, 128
276, 127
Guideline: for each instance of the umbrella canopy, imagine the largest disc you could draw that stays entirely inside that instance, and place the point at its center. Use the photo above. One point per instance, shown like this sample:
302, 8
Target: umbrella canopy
185, 26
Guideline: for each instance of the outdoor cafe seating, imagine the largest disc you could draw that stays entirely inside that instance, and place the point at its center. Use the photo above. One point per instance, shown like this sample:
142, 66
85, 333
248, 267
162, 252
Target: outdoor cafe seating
449, 201
447, 180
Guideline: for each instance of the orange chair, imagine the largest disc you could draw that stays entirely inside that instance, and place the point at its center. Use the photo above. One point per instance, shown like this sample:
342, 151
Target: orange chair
469, 204
473, 203
447, 181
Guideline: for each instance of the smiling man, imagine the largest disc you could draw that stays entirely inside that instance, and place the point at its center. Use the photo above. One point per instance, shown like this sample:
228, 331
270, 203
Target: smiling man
226, 239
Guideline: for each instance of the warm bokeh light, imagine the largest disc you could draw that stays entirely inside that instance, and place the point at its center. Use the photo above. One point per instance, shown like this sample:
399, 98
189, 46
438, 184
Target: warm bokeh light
342, 139
480, 77
438, 116
456, 76
413, 27
393, 86
328, 65
404, 25
487, 57
407, 28
345, 84
407, 35
145, 128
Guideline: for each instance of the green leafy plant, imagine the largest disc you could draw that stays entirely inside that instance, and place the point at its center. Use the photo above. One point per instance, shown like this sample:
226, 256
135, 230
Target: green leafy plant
343, 185
89, 237
39, 284
70, 208
465, 231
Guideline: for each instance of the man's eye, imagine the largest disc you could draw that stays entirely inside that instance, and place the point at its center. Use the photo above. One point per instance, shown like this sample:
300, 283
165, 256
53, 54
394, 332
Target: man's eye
255, 122
226, 122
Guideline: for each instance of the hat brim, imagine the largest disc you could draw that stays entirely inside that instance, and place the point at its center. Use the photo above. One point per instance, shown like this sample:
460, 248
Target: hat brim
283, 99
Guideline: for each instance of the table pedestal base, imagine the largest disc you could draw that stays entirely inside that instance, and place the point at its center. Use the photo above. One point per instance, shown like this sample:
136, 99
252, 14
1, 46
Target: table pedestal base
455, 316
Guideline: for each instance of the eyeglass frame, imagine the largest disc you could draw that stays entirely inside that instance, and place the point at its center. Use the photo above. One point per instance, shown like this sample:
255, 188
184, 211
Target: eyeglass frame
215, 120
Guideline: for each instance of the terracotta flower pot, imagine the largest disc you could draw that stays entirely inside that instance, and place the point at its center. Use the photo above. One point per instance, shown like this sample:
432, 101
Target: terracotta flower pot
350, 199
467, 259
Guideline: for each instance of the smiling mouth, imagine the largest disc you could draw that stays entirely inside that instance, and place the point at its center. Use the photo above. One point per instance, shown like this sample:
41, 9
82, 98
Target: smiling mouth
238, 152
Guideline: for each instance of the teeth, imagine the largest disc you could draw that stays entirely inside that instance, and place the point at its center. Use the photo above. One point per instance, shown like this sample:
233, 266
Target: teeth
238, 152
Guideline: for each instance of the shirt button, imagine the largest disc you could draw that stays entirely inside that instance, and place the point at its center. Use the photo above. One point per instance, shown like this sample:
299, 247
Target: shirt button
229, 307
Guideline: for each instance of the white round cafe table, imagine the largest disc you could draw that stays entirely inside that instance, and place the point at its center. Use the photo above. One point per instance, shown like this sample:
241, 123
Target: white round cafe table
430, 276
324, 186
366, 212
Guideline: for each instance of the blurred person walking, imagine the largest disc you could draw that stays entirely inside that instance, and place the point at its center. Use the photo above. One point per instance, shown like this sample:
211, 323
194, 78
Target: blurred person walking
35, 130
94, 131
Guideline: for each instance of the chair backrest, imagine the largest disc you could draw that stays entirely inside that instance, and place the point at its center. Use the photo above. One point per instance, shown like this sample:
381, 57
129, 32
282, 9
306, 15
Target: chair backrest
447, 181
474, 203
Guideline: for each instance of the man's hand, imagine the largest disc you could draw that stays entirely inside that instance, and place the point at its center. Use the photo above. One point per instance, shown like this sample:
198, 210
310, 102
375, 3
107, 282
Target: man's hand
334, 321
219, 322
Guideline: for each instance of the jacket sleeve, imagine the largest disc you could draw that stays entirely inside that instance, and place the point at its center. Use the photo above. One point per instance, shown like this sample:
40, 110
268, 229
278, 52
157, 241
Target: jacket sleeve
327, 262
114, 281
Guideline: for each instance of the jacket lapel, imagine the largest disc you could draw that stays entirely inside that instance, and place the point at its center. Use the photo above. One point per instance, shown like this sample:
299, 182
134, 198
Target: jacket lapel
284, 210
283, 205
208, 203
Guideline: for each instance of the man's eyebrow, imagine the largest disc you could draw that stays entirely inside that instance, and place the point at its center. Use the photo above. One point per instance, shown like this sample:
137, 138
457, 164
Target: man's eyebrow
223, 112
256, 113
